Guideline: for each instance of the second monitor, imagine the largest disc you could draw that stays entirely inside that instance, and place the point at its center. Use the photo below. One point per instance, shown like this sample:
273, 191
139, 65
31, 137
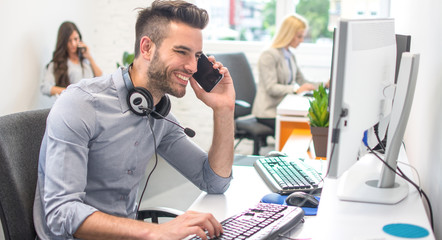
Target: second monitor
362, 95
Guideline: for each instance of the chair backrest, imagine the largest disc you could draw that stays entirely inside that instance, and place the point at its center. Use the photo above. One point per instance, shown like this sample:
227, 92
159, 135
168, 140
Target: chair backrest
20, 139
243, 80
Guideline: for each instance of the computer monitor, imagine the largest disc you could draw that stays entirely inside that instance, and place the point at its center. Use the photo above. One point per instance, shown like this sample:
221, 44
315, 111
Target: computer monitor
364, 64
403, 44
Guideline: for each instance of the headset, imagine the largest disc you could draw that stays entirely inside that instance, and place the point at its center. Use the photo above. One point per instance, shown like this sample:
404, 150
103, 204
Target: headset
140, 102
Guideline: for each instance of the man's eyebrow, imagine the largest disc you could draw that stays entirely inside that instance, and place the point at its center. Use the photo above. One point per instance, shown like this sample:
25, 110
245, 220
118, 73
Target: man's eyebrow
182, 47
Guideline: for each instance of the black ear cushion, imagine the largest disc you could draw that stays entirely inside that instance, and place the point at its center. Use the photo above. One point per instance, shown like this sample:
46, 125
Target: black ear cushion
162, 108
140, 100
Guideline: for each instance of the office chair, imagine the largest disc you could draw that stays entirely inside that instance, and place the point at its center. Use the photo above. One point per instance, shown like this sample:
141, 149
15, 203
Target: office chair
246, 125
20, 139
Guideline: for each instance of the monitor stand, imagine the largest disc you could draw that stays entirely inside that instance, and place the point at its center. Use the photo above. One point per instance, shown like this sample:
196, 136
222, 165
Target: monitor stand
360, 184
368, 180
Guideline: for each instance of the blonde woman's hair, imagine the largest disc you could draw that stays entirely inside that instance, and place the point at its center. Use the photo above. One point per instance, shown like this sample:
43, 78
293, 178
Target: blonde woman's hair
289, 27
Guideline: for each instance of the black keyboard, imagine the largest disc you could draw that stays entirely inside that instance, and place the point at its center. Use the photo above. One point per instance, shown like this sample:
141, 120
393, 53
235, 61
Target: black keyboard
264, 221
285, 175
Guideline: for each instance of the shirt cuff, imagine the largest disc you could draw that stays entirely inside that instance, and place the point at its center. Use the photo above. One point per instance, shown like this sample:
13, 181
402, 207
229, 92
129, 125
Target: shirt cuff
217, 184
295, 88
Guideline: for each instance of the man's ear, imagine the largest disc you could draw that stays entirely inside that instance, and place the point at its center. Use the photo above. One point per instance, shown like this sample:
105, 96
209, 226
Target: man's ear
147, 48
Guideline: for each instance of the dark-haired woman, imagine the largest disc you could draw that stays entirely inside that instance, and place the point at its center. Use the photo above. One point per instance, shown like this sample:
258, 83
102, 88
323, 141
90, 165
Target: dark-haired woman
71, 61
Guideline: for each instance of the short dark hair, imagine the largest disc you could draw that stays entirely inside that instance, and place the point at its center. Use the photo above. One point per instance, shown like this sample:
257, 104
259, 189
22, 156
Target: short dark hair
154, 21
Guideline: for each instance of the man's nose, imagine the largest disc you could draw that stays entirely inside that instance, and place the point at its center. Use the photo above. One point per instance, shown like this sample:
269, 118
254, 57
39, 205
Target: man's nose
192, 65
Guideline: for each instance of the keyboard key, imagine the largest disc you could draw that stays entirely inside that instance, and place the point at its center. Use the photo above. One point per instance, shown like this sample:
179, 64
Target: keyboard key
285, 176
264, 221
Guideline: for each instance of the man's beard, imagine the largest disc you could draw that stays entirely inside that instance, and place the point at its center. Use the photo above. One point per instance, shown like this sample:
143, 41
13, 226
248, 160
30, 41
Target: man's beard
160, 78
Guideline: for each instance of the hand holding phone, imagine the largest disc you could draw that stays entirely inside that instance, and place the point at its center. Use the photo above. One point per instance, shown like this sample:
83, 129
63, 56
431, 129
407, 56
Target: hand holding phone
80, 51
207, 76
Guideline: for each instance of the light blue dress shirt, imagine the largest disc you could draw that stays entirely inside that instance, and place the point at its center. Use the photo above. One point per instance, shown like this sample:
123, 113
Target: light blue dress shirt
287, 56
95, 152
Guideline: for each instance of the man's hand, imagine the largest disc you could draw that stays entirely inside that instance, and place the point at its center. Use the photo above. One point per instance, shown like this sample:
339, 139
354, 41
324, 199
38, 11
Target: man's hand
222, 95
100, 225
187, 224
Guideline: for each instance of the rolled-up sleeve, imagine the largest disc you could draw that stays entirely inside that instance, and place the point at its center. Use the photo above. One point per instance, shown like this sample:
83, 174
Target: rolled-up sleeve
216, 184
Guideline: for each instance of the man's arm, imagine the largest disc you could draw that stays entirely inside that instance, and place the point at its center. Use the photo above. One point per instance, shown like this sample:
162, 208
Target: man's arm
221, 151
103, 226
222, 100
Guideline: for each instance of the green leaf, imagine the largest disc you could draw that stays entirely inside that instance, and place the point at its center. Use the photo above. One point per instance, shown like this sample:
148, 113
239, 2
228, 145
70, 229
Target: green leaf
318, 112
127, 59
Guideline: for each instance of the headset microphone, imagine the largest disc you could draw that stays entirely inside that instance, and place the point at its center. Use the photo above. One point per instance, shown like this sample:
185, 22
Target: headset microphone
189, 132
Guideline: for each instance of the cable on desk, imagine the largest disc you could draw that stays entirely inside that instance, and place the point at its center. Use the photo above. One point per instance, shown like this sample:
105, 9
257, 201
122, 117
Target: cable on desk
406, 178
401, 174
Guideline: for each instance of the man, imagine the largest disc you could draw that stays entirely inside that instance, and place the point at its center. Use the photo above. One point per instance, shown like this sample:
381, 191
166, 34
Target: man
96, 146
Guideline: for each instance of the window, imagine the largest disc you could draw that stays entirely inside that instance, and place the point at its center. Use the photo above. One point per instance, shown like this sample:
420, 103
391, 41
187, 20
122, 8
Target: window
256, 20
241, 20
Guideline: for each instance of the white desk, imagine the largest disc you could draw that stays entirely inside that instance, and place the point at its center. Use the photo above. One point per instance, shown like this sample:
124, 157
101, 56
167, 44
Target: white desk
336, 219
354, 220
291, 114
294, 105
246, 189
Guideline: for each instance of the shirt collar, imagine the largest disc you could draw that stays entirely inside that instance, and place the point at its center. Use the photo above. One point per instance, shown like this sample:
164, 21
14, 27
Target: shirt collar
121, 89
286, 52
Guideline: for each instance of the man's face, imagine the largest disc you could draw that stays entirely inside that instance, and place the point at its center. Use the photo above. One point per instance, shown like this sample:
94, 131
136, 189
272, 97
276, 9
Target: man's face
174, 62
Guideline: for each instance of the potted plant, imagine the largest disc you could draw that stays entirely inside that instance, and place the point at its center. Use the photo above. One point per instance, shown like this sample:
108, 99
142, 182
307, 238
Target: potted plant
128, 58
318, 114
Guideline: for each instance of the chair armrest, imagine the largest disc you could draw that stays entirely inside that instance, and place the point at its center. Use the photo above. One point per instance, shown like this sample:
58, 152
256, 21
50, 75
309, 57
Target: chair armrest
156, 212
242, 103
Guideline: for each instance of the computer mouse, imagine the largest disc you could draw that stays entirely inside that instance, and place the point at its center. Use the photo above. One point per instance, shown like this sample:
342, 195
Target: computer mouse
302, 199
276, 154
307, 94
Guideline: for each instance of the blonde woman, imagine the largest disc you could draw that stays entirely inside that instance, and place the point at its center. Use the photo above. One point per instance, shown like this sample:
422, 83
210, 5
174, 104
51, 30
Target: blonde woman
279, 73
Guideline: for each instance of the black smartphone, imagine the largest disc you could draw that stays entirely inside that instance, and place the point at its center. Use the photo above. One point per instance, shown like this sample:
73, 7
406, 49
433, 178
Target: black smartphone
80, 51
206, 75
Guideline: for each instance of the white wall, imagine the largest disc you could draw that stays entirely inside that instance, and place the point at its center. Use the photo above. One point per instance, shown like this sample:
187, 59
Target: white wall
26, 42
423, 21
29, 31
28, 38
